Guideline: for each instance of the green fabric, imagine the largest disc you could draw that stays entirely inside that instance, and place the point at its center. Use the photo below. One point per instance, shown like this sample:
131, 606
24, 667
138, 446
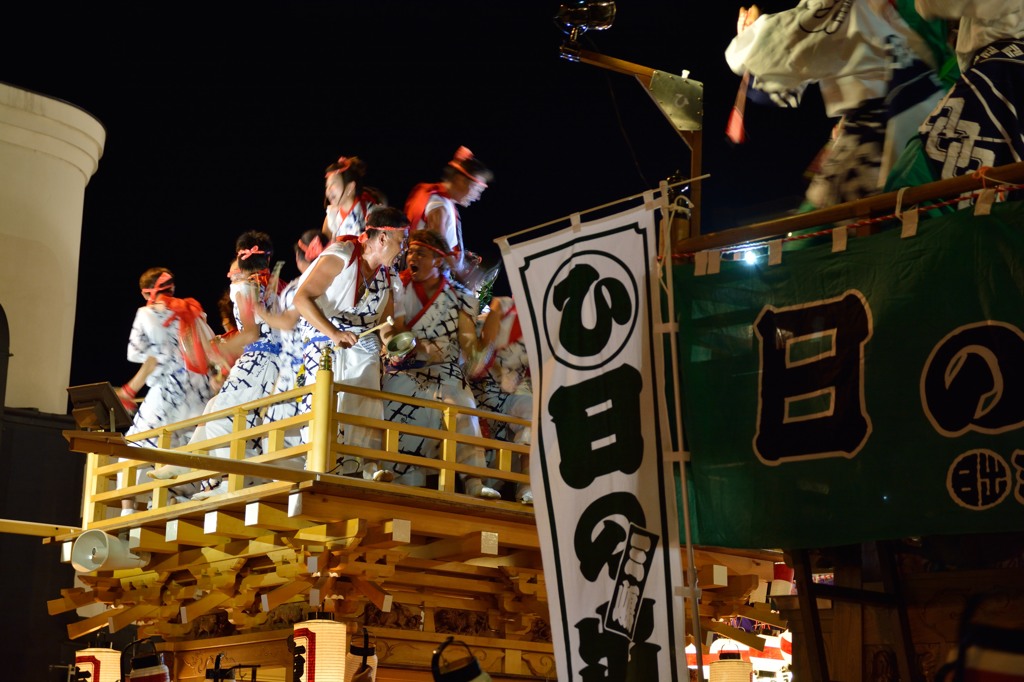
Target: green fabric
914, 168
959, 273
936, 35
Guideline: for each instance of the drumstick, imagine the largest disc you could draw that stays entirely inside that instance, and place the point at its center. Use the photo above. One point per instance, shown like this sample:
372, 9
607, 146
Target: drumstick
385, 323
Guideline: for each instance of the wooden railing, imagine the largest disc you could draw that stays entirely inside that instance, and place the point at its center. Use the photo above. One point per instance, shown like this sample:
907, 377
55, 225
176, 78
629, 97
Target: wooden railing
110, 480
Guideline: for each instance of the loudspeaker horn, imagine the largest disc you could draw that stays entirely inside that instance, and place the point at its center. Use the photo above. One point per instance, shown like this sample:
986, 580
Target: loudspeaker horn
95, 550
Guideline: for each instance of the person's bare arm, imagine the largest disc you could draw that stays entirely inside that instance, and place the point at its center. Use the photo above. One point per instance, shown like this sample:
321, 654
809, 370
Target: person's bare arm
317, 280
126, 393
436, 220
284, 320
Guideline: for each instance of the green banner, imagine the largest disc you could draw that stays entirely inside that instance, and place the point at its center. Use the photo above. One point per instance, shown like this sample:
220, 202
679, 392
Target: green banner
870, 393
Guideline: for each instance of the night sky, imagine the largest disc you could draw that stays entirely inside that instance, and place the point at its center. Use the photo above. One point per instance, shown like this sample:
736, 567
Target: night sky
221, 117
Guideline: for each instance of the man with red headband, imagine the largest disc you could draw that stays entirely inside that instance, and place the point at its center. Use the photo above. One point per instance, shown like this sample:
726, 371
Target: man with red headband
163, 339
440, 313
435, 207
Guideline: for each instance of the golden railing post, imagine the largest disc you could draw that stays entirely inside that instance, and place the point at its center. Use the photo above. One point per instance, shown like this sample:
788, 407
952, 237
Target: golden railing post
449, 450
321, 425
91, 484
240, 422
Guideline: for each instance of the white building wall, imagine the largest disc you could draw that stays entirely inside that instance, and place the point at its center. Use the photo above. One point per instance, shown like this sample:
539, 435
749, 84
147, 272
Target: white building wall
49, 150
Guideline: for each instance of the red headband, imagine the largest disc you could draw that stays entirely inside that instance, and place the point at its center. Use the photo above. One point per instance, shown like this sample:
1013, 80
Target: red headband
463, 154
344, 164
254, 251
164, 282
436, 250
311, 250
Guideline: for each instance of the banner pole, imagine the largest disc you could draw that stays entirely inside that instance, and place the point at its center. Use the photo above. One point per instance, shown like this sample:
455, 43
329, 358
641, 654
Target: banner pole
580, 214
672, 331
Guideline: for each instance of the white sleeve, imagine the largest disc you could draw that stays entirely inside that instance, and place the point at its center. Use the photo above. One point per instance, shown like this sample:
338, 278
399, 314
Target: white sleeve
789, 49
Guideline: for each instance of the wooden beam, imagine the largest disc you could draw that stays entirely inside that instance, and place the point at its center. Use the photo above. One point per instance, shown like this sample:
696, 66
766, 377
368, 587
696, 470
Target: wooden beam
92, 624
126, 617
187, 533
271, 600
70, 599
39, 530
392, 533
471, 546
878, 204
203, 605
265, 516
226, 525
142, 539
377, 595
325, 533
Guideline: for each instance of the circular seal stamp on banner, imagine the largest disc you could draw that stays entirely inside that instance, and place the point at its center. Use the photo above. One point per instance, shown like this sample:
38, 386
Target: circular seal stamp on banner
591, 308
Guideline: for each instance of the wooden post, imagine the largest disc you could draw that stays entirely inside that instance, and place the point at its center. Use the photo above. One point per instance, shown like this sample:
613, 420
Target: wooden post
449, 450
321, 426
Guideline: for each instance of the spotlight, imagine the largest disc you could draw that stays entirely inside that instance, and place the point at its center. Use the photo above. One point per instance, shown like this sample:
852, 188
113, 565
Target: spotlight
576, 18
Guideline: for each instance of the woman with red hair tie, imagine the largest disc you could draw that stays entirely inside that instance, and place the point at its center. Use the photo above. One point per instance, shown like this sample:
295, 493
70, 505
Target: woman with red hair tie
284, 317
346, 201
348, 290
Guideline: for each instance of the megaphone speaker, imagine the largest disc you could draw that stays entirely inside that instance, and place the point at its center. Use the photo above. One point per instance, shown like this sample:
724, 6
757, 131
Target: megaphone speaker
95, 550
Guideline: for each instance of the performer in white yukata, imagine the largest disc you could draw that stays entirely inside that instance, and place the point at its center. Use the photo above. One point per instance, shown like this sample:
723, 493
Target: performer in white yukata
347, 201
348, 289
254, 373
285, 318
873, 69
978, 123
435, 207
441, 313
500, 379
179, 382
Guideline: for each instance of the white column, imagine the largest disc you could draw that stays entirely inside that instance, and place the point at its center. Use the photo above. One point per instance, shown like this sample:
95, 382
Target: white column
49, 150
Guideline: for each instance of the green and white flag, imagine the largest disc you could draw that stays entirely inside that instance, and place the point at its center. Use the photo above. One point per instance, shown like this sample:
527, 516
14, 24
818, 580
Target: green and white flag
875, 392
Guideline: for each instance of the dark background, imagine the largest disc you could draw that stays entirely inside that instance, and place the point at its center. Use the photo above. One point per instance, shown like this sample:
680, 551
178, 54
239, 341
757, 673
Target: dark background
221, 117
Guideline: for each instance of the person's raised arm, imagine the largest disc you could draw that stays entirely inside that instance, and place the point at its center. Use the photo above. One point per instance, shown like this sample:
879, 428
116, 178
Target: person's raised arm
316, 282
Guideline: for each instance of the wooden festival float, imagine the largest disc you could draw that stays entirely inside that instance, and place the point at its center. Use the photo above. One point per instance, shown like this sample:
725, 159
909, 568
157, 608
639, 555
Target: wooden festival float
232, 575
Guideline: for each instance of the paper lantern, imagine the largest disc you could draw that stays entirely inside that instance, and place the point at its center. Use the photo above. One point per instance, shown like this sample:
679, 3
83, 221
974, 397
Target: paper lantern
103, 665
362, 650
730, 669
724, 645
786, 645
149, 669
325, 642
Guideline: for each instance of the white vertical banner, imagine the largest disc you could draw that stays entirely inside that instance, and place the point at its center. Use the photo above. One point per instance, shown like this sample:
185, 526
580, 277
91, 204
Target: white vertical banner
587, 299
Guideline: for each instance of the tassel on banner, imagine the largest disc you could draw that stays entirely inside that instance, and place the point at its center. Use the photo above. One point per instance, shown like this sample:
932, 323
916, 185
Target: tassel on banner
909, 220
983, 206
714, 262
700, 263
775, 252
574, 221
839, 239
